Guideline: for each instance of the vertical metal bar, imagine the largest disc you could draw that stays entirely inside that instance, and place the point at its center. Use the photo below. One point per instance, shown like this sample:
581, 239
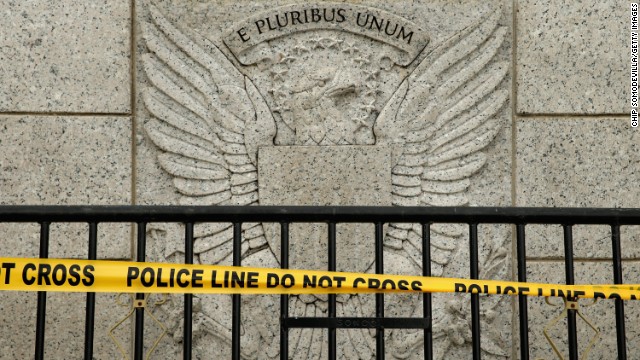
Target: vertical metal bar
42, 295
380, 349
235, 298
91, 296
569, 271
332, 297
475, 298
521, 251
426, 297
284, 299
617, 279
138, 349
188, 298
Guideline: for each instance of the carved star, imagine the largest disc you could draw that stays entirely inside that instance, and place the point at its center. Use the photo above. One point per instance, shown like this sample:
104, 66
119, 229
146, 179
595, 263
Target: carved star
362, 61
328, 43
279, 92
372, 90
279, 75
281, 109
350, 48
361, 122
287, 59
368, 107
372, 75
316, 43
300, 49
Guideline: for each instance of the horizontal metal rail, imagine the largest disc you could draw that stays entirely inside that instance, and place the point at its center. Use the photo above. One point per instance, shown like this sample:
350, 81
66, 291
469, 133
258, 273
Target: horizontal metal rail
341, 214
333, 215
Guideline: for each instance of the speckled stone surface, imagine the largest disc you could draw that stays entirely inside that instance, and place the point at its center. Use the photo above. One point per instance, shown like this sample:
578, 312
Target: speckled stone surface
67, 161
314, 68
577, 163
65, 56
46, 160
64, 331
325, 175
602, 314
571, 57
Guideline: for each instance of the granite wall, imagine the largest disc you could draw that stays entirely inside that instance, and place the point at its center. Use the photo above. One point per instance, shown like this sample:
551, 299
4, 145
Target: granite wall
90, 92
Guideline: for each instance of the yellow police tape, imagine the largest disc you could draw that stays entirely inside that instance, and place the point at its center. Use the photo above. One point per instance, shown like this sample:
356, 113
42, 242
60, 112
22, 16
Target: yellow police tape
21, 274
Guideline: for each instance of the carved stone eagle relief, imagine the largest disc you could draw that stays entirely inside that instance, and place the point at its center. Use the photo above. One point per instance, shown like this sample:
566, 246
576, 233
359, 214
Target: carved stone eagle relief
324, 108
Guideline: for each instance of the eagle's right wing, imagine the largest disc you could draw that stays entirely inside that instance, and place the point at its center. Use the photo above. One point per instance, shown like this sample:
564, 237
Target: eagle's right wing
208, 119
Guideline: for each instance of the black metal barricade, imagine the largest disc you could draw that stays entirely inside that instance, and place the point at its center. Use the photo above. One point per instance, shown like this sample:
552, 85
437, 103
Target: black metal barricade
285, 215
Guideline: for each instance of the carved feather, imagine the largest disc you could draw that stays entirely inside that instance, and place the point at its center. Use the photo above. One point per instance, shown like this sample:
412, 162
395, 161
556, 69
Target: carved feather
206, 117
442, 117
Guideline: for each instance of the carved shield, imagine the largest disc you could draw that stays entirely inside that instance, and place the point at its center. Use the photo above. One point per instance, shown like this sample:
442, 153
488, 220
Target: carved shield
325, 175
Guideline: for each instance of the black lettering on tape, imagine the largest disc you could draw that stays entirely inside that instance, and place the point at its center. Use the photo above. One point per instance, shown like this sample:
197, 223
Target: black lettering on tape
196, 278
509, 289
132, 273
160, 282
339, 280
44, 270
172, 277
27, 267
402, 285
88, 274
272, 280
74, 275
147, 273
288, 281
7, 271
357, 281
183, 283
374, 283
390, 283
325, 282
59, 274
237, 279
309, 281
214, 275
459, 288
252, 279
416, 285
475, 289
43, 274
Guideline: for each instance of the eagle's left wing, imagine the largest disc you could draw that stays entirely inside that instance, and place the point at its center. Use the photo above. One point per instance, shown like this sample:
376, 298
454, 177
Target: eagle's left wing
439, 123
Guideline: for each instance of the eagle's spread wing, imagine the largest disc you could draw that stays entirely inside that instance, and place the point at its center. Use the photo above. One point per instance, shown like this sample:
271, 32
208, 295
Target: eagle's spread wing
439, 122
208, 119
